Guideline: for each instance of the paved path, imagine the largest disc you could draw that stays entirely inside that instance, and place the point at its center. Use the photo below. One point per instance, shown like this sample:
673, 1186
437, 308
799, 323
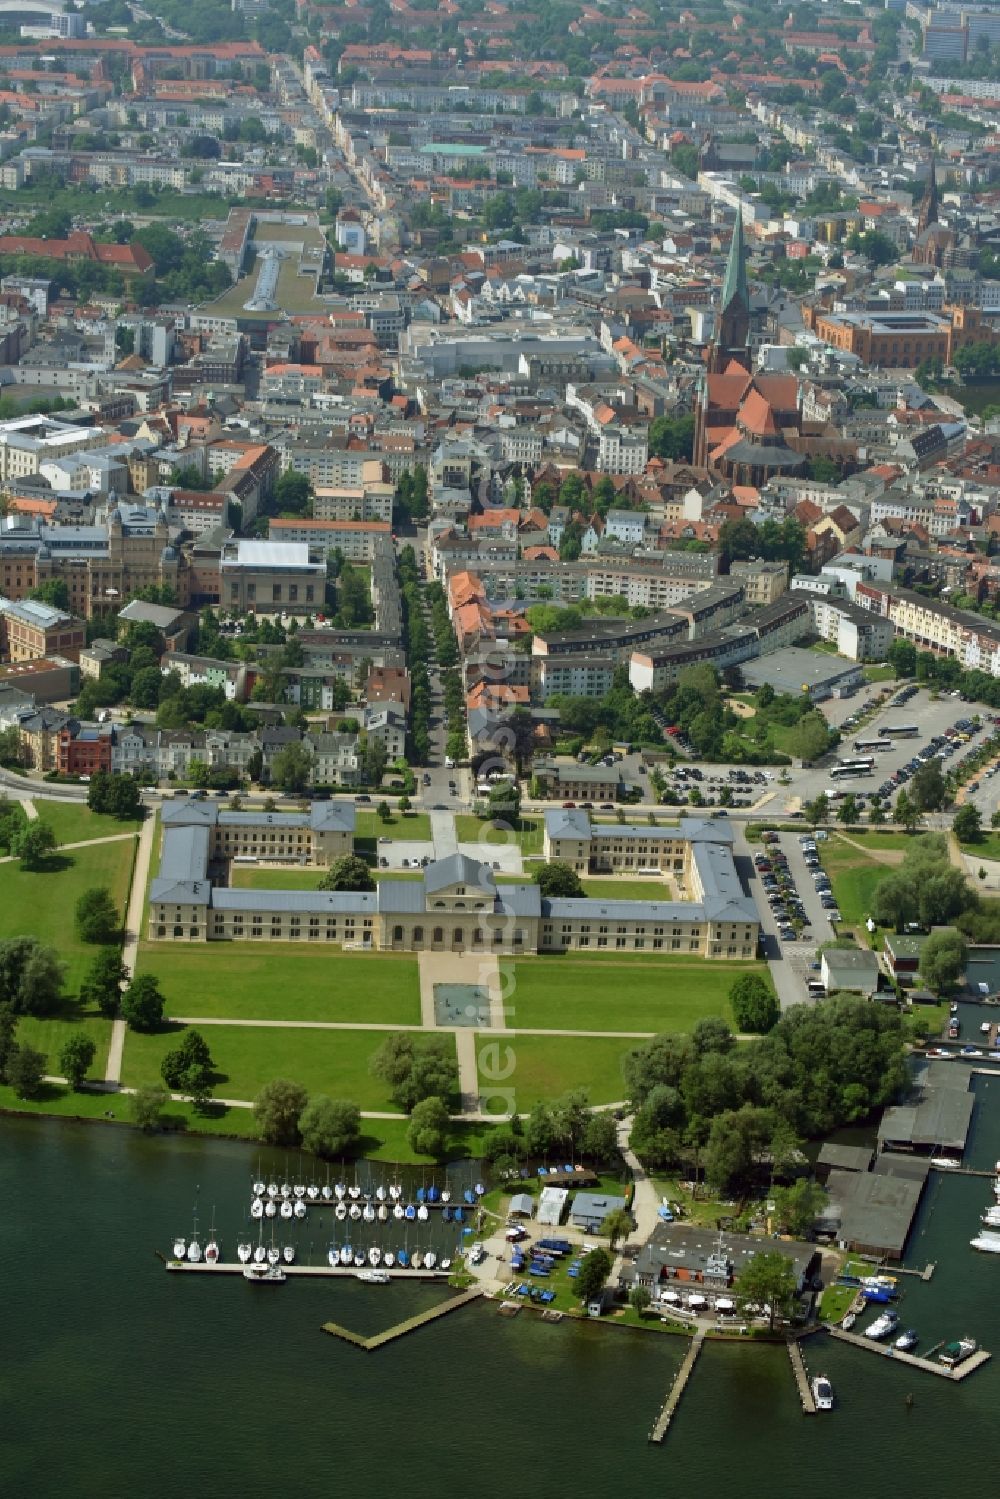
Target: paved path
382, 1025
30, 810
644, 1199
443, 834
133, 933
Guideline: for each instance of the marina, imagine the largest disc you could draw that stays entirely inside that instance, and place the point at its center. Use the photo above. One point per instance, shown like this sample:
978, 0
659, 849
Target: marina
915, 1361
320, 1272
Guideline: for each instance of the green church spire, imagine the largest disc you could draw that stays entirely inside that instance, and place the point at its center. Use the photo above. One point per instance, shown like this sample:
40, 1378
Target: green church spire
735, 285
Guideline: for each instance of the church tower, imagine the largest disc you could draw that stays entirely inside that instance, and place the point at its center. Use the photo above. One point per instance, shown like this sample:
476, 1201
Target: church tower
732, 330
929, 202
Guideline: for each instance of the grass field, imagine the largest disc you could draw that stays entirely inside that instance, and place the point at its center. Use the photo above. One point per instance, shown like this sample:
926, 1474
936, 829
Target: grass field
41, 905
854, 879
666, 995
987, 847
279, 981
247, 877
547, 1066
879, 839
527, 835
74, 823
628, 889
330, 1062
50, 1036
412, 827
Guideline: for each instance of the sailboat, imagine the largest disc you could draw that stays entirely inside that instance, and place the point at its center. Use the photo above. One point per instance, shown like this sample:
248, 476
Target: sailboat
369, 1213
287, 1211
480, 1190
354, 1191
245, 1252
212, 1247
333, 1255
446, 1213
270, 1207
433, 1194
388, 1259
355, 1210
422, 1212
395, 1191
459, 1214
272, 1190
445, 1264
380, 1192
347, 1255
300, 1208
445, 1194
383, 1212
430, 1260
421, 1194
359, 1260
273, 1255
374, 1257
469, 1196
410, 1211
327, 1192
286, 1190
194, 1248
299, 1190
417, 1260
260, 1255
288, 1254
340, 1191
258, 1189
397, 1211
312, 1192
404, 1259
340, 1211
257, 1208
180, 1248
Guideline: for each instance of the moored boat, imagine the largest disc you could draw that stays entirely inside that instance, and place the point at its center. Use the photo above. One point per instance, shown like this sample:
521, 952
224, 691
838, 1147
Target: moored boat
347, 1255
257, 1208
986, 1242
388, 1259
270, 1208
430, 1260
180, 1248
403, 1259
273, 1255
260, 1255
906, 1340
264, 1274
287, 1211
822, 1393
194, 1252
341, 1211
300, 1209
417, 1260
374, 1277
288, 1254
333, 1256
374, 1257
955, 1353
245, 1252
882, 1326
422, 1212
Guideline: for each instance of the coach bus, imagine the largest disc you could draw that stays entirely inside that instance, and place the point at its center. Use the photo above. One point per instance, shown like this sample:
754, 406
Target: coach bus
845, 768
900, 731
872, 746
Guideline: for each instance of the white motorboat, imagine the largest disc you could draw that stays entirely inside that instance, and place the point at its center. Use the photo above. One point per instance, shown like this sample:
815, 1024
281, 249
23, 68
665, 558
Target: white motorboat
389, 1259
245, 1253
270, 1208
264, 1274
260, 1255
987, 1242
398, 1210
430, 1260
333, 1256
288, 1254
312, 1193
299, 1190
907, 1340
374, 1257
258, 1189
300, 1208
945, 1161
340, 1191
445, 1264
340, 1211
822, 1393
369, 1213
383, 1213
287, 1211
991, 1216
194, 1252
374, 1277
848, 1322
180, 1248
882, 1326
257, 1208
273, 1255
422, 1212
272, 1189
286, 1190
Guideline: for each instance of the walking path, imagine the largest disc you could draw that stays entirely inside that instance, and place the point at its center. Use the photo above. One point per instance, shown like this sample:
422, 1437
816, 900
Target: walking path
384, 1025
133, 933
443, 834
877, 855
30, 810
644, 1198
65, 848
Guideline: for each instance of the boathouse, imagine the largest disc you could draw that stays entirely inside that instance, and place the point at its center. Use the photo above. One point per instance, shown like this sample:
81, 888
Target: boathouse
936, 1117
678, 1253
871, 1212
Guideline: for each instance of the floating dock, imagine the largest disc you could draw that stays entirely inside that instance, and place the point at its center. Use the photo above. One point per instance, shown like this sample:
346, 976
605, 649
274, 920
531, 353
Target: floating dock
961, 1371
801, 1378
677, 1389
326, 1272
402, 1328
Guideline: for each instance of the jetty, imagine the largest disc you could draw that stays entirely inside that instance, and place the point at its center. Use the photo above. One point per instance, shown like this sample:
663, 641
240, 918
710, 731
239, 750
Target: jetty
400, 1329
326, 1272
801, 1378
677, 1389
914, 1360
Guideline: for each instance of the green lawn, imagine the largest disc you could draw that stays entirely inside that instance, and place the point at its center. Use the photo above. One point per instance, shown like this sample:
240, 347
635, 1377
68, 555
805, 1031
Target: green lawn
854, 879
247, 877
666, 995
879, 674
50, 1036
884, 840
402, 827
279, 981
330, 1062
546, 1066
74, 823
625, 889
527, 835
41, 905
987, 847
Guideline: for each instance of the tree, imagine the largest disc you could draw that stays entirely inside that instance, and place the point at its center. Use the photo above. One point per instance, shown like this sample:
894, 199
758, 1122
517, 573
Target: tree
291, 768
330, 1127
278, 1109
349, 872
817, 810
383, 812
142, 1003
415, 1068
617, 1225
30, 977
753, 1003
427, 1132
967, 824
292, 493
797, 1207
737, 1137
146, 1106
97, 917
594, 1271
102, 988
942, 960
600, 1138
810, 738
26, 1071
766, 1286
848, 810
75, 1059
927, 788
115, 795
8, 1038
33, 844
190, 1056
906, 815
639, 1298
902, 657
559, 881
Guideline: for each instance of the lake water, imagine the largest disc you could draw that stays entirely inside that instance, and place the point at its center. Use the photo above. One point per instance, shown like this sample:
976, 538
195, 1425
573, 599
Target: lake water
120, 1379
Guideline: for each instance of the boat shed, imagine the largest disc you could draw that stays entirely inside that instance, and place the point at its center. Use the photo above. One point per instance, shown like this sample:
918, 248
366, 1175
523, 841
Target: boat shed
522, 1205
870, 1212
845, 1157
589, 1210
552, 1205
936, 1117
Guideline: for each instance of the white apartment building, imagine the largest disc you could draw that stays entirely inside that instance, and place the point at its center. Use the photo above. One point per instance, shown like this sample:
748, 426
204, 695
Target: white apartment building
622, 451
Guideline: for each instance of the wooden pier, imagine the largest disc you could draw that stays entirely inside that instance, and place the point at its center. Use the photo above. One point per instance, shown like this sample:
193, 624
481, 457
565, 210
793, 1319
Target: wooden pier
801, 1378
677, 1389
915, 1361
324, 1272
402, 1328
